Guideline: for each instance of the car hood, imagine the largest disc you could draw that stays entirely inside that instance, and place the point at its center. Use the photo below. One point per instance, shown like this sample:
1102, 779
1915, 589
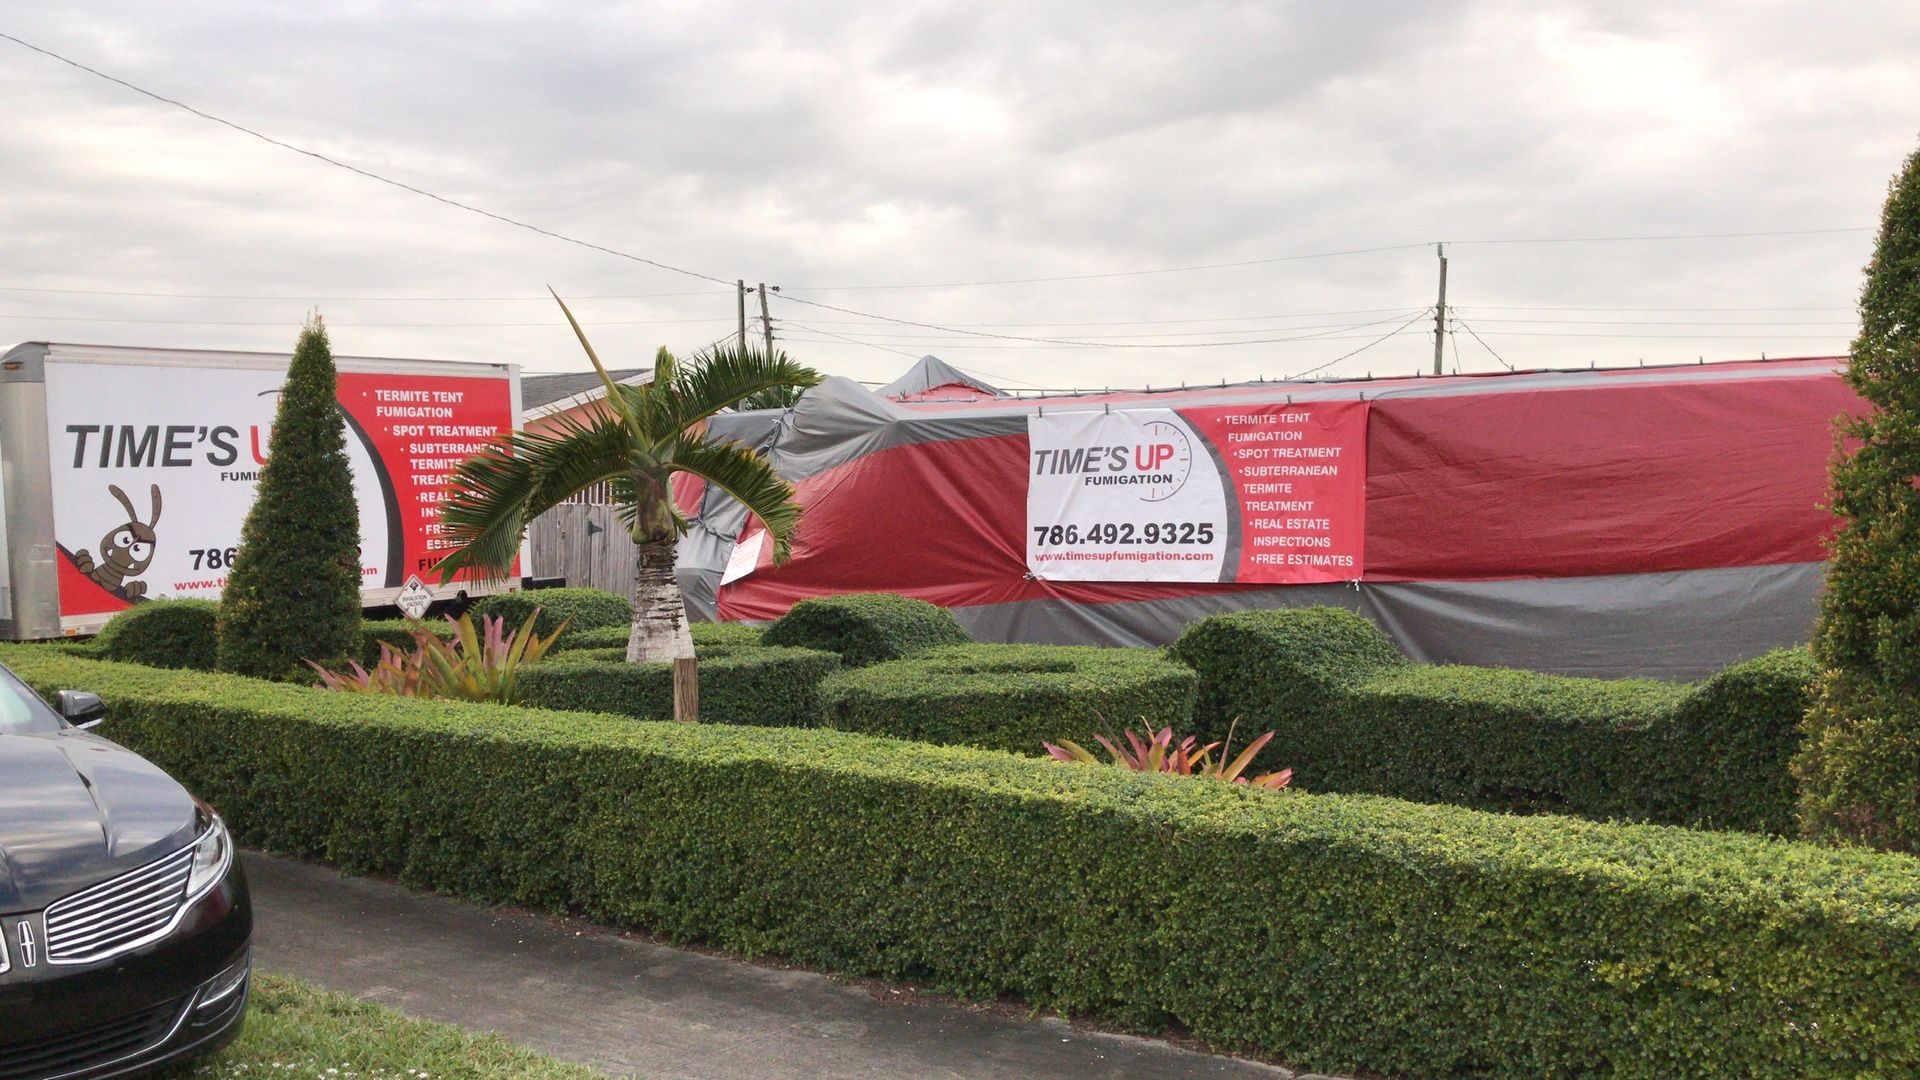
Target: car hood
76, 809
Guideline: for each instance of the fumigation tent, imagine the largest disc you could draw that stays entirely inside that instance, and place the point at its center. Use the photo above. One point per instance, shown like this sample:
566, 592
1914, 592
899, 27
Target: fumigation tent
1659, 521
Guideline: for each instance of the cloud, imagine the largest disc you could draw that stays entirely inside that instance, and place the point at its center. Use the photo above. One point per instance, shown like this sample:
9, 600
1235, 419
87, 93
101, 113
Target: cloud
909, 142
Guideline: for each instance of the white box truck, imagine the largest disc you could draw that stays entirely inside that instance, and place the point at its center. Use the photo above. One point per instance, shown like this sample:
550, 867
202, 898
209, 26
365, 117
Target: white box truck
126, 473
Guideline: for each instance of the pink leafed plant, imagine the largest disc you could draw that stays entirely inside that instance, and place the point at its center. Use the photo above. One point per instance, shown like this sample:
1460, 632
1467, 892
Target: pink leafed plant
1149, 751
479, 664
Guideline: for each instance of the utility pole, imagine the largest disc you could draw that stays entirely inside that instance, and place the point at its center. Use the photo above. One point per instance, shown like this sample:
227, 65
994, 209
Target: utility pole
740, 294
766, 322
1440, 311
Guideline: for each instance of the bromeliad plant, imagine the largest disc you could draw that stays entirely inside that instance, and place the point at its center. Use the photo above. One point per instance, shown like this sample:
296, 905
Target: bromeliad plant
477, 665
1150, 751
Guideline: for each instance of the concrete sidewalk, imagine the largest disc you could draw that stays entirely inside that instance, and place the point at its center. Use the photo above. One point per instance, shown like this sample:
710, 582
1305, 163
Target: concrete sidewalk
631, 1007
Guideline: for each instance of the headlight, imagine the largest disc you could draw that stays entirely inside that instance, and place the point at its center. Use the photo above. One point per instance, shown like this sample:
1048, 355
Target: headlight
212, 858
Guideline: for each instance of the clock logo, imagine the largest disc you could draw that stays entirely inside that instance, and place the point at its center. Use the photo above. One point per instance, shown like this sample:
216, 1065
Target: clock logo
1165, 453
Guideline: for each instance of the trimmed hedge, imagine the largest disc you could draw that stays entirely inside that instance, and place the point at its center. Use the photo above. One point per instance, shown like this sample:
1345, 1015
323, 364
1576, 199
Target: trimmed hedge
397, 633
744, 684
168, 633
1354, 715
1339, 933
1011, 697
588, 608
866, 628
1285, 666
705, 636
1726, 757
1493, 738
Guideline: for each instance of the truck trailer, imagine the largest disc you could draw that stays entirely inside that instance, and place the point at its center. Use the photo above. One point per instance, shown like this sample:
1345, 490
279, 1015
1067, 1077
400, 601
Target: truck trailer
126, 473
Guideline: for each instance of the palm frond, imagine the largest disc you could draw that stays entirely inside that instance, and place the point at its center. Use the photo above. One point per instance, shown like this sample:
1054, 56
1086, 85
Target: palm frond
780, 397
495, 493
486, 512
579, 451
614, 399
745, 475
721, 377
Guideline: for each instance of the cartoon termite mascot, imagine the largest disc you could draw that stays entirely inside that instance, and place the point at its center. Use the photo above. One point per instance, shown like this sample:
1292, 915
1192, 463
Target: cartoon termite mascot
125, 551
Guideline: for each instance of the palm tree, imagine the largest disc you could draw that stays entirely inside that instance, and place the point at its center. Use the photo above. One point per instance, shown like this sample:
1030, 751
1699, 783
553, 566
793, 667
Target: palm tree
643, 436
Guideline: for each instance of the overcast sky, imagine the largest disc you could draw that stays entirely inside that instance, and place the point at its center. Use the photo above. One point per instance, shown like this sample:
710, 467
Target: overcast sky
829, 146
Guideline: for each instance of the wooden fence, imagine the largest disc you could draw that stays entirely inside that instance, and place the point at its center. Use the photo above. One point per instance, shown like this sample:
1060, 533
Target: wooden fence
584, 543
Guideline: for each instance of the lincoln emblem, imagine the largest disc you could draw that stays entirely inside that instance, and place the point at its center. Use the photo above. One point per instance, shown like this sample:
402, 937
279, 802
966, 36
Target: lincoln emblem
27, 943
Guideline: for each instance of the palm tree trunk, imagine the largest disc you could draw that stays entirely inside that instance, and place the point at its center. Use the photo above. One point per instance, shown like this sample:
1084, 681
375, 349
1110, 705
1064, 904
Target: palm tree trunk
659, 614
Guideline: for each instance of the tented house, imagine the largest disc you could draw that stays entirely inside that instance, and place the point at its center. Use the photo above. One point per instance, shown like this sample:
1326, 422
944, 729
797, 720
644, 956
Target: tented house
1659, 521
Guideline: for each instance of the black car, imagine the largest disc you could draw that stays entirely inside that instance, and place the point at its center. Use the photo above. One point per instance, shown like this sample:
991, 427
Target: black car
124, 920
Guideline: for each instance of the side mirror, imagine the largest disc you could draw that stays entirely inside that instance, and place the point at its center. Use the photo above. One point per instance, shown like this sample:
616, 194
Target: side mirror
81, 709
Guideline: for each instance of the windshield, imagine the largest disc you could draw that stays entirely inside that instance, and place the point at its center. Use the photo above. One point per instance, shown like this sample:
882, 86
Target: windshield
20, 711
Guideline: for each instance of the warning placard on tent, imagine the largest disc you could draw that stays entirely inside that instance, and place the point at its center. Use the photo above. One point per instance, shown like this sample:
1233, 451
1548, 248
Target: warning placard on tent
1258, 493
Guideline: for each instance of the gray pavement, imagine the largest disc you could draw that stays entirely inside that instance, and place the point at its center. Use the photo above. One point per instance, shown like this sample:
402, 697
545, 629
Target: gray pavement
634, 1007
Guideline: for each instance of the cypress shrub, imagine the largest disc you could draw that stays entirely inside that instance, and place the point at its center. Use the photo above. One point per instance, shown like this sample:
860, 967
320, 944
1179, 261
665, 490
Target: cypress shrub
1859, 767
167, 633
293, 593
866, 628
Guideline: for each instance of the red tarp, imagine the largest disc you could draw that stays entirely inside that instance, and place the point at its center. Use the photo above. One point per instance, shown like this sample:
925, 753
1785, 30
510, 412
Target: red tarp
1468, 479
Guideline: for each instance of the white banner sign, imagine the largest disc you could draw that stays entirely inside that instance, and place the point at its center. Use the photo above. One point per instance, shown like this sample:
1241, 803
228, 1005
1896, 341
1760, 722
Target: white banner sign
1124, 496
1257, 492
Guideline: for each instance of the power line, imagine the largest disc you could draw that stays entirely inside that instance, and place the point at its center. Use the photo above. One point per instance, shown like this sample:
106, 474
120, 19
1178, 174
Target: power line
337, 322
1109, 339
317, 156
850, 341
1084, 344
342, 299
1462, 325
1321, 255
950, 345
1673, 337
1671, 322
1421, 314
977, 373
1666, 236
1156, 322
1103, 276
1496, 307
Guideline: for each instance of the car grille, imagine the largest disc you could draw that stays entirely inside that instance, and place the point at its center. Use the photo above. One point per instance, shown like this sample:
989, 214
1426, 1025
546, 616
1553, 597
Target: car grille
91, 1047
118, 914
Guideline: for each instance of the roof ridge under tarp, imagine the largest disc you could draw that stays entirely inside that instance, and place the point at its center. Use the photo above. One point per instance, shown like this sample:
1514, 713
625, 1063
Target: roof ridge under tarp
932, 373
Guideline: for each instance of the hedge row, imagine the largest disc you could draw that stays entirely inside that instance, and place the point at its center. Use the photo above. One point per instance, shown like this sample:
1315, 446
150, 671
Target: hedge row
742, 684
1340, 933
397, 633
866, 628
588, 609
1011, 697
169, 633
706, 636
1354, 715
